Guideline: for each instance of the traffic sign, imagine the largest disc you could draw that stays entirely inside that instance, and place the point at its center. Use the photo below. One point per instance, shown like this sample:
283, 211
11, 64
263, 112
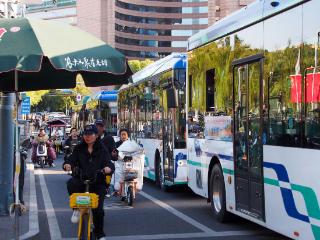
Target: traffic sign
25, 105
78, 97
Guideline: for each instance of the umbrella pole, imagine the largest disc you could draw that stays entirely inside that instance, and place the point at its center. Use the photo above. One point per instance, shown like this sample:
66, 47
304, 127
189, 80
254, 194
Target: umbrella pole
16, 205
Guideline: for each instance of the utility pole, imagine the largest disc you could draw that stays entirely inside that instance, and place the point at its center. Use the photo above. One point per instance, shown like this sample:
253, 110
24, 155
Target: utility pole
6, 151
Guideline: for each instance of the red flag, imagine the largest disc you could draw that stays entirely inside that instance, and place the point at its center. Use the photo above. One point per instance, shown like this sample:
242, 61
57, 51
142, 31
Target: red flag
313, 87
295, 88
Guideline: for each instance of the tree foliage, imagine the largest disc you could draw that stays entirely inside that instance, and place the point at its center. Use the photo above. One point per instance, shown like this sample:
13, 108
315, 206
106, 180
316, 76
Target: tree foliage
56, 101
137, 65
36, 96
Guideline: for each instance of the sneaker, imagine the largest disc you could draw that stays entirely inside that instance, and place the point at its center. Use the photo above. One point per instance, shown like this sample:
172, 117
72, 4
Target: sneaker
102, 238
75, 216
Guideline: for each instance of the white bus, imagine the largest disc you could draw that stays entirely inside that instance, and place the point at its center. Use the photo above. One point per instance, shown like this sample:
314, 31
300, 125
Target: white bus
153, 109
253, 105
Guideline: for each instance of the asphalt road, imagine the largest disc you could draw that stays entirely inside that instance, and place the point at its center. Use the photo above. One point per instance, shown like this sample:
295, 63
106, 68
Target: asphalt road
178, 214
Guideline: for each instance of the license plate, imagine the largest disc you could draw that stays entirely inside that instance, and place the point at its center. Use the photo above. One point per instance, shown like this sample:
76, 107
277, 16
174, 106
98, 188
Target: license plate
83, 200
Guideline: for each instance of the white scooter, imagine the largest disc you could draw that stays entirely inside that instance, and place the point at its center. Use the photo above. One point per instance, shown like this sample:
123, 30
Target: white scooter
42, 154
129, 174
129, 185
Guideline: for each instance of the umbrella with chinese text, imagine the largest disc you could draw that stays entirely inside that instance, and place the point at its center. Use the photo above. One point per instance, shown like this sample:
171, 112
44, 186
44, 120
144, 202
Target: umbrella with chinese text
38, 54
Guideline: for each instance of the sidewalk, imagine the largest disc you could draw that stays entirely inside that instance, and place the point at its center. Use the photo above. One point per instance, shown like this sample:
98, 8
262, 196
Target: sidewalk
28, 222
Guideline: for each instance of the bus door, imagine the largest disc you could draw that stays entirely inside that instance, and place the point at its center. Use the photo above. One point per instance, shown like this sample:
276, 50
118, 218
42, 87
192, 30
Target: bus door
168, 131
134, 116
247, 144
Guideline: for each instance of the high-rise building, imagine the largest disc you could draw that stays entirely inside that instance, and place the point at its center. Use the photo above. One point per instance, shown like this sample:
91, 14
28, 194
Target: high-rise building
140, 28
59, 10
151, 29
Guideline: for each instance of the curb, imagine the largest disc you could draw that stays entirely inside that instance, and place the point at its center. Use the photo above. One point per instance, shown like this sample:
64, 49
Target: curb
33, 207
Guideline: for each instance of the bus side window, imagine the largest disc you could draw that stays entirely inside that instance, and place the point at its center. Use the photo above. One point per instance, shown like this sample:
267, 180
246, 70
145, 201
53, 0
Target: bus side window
210, 74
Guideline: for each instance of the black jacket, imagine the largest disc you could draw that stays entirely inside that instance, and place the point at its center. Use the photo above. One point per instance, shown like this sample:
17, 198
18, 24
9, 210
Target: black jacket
118, 144
90, 164
71, 144
108, 142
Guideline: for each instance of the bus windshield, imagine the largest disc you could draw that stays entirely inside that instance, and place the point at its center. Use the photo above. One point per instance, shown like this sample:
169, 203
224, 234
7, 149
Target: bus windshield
180, 116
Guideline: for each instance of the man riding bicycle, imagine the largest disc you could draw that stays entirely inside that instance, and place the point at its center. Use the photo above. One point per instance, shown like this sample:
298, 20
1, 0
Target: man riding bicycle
90, 157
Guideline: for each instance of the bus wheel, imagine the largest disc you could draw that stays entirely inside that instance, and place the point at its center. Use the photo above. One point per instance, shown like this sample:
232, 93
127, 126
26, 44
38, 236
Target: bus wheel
157, 169
163, 186
218, 194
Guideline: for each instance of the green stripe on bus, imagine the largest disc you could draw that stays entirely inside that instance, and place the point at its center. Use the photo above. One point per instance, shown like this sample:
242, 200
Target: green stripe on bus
197, 164
316, 231
228, 171
310, 199
272, 182
151, 175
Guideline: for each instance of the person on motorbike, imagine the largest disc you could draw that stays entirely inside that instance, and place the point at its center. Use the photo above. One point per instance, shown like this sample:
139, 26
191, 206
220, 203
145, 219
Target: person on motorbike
90, 157
71, 142
42, 137
124, 136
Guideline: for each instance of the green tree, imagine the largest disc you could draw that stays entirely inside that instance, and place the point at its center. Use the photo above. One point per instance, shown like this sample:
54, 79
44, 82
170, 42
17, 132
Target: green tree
137, 65
36, 96
58, 102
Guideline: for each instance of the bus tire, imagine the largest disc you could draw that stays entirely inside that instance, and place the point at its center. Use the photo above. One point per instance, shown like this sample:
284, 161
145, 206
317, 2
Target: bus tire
157, 169
163, 186
218, 194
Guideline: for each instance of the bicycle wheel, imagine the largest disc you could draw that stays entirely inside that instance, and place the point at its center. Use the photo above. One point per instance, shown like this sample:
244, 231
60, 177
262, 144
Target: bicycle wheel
84, 227
130, 196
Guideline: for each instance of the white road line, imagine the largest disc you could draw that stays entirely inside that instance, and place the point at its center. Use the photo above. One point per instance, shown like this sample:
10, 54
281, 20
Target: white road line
193, 222
33, 206
175, 236
177, 213
54, 229
206, 232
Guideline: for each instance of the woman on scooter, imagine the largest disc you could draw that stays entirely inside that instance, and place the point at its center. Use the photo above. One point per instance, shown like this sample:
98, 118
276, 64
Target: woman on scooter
124, 136
43, 137
90, 157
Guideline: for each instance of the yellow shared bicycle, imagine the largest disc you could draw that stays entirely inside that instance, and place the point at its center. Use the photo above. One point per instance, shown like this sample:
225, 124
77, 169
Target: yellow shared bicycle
85, 202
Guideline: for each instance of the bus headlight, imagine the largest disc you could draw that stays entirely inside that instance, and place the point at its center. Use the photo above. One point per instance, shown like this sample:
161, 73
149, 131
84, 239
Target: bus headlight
182, 163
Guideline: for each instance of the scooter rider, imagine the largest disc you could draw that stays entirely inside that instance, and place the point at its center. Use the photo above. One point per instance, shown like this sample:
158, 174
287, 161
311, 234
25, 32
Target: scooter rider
124, 136
90, 156
42, 137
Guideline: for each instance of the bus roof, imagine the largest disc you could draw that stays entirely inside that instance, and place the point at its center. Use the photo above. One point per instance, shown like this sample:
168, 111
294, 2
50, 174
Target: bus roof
254, 12
174, 60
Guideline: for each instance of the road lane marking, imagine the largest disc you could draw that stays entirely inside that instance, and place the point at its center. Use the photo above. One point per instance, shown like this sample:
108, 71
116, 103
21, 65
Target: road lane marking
175, 236
33, 206
206, 232
113, 206
177, 213
54, 229
195, 223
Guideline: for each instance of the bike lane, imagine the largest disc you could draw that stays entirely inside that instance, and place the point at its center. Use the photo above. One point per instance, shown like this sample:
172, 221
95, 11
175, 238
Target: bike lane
145, 218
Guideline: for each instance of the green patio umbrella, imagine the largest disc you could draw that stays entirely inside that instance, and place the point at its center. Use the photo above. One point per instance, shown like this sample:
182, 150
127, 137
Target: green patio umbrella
38, 54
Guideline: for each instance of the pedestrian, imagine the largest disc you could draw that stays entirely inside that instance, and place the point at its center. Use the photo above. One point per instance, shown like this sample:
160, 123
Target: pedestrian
90, 157
106, 139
